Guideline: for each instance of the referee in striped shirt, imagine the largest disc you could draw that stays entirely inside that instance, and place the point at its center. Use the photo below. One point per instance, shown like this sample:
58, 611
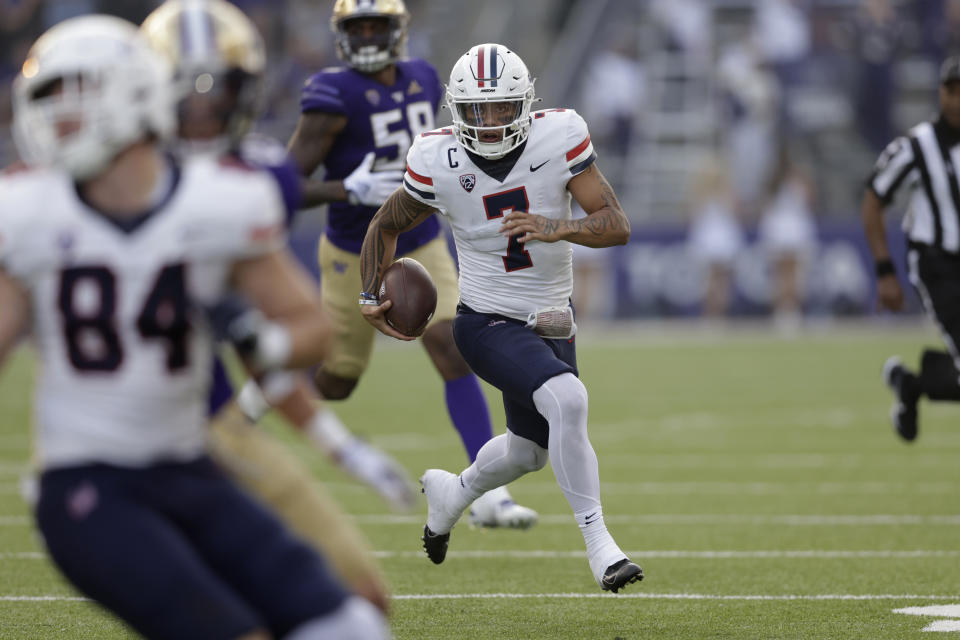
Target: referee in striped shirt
925, 160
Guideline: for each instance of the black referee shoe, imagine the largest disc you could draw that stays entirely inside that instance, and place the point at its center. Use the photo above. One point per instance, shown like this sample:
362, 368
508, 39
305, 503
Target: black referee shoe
435, 544
903, 383
621, 574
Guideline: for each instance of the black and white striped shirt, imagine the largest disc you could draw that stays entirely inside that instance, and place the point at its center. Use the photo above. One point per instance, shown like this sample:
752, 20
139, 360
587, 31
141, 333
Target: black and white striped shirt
925, 159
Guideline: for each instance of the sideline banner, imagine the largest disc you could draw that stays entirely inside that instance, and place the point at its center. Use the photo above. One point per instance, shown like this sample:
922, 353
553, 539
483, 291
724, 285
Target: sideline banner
656, 274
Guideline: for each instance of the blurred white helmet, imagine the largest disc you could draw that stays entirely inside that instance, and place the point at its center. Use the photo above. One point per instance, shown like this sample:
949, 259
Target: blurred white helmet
489, 97
89, 88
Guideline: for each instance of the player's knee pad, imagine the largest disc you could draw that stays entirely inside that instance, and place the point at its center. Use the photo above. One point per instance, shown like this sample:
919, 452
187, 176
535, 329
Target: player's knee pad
333, 387
562, 400
355, 619
526, 454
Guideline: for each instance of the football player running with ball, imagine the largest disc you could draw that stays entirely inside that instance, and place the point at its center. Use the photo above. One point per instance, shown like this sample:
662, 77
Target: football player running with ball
504, 177
358, 123
109, 252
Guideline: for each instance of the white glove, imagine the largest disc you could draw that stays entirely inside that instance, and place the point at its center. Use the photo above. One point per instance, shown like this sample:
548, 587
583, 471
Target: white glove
379, 471
371, 188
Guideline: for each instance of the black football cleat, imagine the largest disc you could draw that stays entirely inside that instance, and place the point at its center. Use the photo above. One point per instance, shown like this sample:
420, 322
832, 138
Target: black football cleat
903, 383
620, 575
435, 544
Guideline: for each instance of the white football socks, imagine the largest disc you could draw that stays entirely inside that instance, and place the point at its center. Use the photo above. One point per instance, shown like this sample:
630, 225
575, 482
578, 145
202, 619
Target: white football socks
500, 461
562, 400
327, 432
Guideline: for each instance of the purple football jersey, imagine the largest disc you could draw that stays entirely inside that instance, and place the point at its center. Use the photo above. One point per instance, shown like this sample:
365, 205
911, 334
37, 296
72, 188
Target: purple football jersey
381, 119
270, 155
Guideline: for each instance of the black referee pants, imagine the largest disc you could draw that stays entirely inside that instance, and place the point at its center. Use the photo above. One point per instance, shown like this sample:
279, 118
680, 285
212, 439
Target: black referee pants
936, 276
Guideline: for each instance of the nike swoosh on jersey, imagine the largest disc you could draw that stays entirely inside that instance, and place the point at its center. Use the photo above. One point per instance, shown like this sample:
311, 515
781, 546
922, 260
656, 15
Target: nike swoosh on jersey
534, 168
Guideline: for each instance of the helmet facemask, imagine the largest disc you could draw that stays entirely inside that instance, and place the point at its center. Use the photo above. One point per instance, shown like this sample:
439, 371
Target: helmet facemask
216, 109
372, 48
491, 128
60, 122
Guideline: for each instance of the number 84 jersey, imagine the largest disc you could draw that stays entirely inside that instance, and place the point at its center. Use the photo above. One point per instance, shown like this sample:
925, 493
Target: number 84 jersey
499, 274
116, 307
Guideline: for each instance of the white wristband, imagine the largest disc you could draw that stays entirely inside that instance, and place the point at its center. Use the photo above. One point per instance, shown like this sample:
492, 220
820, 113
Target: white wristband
274, 344
251, 401
277, 386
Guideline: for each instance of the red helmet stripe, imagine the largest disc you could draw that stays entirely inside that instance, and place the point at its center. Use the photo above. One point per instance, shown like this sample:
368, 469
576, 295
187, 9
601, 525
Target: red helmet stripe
480, 65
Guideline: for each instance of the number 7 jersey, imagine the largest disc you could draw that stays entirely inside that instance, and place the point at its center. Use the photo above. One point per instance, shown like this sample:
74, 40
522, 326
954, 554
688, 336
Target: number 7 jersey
497, 274
117, 309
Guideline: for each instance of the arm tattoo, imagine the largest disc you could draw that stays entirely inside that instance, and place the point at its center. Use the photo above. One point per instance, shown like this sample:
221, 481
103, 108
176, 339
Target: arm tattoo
399, 213
606, 192
402, 212
548, 226
611, 218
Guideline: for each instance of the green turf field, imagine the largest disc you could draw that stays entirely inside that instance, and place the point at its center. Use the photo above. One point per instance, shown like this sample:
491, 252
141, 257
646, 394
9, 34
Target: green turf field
755, 479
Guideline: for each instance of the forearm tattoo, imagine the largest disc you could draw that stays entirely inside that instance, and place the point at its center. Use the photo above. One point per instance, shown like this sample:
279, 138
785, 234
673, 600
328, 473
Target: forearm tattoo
611, 220
398, 214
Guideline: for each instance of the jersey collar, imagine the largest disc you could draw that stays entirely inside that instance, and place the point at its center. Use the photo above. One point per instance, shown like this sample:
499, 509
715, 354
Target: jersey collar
131, 224
498, 169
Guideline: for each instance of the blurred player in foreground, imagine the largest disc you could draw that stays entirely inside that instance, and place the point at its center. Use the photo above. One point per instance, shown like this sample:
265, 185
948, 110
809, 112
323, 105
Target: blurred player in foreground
358, 122
514, 324
109, 252
219, 62
925, 160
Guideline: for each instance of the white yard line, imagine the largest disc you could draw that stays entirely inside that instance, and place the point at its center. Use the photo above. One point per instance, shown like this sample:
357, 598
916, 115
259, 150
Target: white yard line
691, 488
43, 599
23, 555
797, 520
592, 595
646, 553
688, 488
675, 596
709, 555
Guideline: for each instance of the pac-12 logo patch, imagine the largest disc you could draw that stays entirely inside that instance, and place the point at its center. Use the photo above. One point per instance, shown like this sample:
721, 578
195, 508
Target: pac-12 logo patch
468, 181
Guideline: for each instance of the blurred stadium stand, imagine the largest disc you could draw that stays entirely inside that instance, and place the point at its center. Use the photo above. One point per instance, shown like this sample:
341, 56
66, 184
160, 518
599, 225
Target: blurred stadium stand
669, 87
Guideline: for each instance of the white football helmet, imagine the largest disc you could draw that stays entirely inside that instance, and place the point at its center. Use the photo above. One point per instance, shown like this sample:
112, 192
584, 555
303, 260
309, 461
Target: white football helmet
370, 53
89, 88
489, 97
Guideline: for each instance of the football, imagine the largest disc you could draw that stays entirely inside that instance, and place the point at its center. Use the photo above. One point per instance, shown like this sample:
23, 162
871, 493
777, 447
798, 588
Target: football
414, 296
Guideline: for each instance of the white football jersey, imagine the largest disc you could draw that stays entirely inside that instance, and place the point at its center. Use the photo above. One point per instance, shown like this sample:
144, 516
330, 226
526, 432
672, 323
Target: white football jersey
499, 274
124, 350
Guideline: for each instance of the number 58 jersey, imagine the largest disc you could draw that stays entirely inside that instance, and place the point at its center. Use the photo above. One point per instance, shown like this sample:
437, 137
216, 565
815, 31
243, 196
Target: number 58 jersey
499, 274
124, 351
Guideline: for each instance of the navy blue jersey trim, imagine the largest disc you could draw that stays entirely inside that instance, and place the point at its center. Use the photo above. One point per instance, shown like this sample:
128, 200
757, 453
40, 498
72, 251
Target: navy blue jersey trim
422, 194
581, 167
